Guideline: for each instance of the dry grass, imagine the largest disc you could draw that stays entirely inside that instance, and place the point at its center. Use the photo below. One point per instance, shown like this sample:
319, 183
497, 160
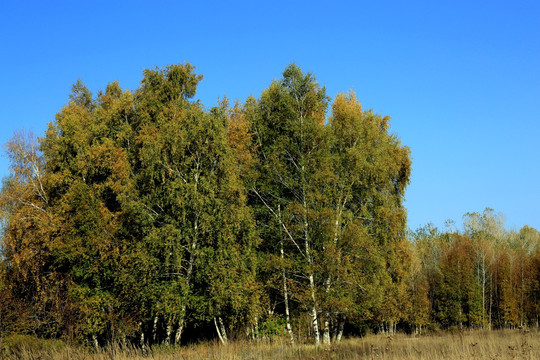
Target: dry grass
498, 345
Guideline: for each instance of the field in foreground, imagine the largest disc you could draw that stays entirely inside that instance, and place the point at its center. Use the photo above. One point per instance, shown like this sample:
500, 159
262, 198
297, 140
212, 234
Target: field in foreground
467, 345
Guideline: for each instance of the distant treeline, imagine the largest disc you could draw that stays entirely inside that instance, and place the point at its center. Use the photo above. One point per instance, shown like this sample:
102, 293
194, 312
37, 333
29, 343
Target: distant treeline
145, 217
482, 276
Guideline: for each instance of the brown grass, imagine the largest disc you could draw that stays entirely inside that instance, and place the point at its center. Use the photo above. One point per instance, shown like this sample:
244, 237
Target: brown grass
498, 345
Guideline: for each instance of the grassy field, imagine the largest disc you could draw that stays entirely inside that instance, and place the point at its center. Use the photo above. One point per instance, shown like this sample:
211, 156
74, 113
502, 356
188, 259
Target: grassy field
466, 345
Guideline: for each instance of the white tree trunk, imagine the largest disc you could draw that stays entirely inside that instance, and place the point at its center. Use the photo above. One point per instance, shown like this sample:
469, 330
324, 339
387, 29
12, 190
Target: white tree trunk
180, 329
169, 332
340, 331
314, 318
95, 341
326, 333
287, 315
339, 211
142, 341
285, 290
154, 329
221, 331
181, 321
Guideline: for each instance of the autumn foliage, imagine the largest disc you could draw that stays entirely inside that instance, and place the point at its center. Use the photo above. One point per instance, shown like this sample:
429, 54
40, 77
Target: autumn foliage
144, 217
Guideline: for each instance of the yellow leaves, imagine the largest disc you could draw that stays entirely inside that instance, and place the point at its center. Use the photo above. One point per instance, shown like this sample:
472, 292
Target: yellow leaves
346, 104
239, 135
108, 165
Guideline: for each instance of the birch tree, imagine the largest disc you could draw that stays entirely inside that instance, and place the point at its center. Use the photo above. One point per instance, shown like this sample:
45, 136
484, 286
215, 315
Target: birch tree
289, 134
88, 172
189, 182
369, 171
27, 226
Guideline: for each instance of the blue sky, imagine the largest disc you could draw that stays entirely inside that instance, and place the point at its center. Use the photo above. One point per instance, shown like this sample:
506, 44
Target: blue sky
460, 79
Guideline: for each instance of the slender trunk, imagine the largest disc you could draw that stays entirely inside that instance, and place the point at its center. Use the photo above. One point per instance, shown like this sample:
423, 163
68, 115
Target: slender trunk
314, 311
219, 333
326, 333
95, 341
340, 331
181, 320
141, 339
154, 329
314, 318
180, 330
285, 290
222, 328
169, 332
287, 315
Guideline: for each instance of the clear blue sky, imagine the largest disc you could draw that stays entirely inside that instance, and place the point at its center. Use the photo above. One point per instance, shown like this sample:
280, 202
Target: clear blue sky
461, 79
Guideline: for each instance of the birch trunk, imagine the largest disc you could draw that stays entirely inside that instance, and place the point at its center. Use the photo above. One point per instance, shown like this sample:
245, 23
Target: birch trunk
220, 329
287, 315
314, 312
218, 332
326, 333
340, 331
154, 329
314, 318
285, 290
223, 331
169, 332
95, 341
339, 211
181, 321
180, 330
142, 341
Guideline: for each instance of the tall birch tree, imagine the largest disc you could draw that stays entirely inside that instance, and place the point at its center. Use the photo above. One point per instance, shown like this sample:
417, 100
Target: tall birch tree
290, 137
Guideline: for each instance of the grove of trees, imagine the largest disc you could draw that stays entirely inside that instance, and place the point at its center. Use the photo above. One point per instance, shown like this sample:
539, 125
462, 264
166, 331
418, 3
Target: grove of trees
143, 216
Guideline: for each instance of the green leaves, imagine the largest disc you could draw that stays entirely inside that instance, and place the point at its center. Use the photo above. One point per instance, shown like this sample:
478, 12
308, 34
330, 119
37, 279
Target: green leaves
156, 215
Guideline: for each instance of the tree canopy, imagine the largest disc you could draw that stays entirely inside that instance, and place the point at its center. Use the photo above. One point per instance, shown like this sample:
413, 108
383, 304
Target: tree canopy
144, 216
